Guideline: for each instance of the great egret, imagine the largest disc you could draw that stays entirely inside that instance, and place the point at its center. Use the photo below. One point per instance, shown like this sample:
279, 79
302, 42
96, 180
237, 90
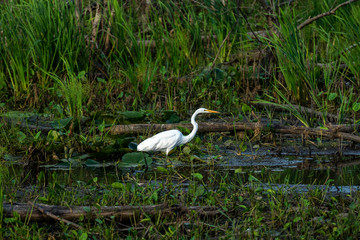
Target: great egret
166, 141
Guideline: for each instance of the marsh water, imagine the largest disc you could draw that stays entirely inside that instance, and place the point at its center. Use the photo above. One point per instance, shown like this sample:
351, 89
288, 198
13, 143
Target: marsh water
290, 164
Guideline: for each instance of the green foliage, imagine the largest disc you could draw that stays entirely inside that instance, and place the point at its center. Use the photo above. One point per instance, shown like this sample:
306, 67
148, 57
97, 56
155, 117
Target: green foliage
134, 159
37, 34
162, 57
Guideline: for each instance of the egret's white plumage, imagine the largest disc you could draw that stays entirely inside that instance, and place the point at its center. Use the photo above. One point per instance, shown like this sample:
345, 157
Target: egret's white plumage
166, 141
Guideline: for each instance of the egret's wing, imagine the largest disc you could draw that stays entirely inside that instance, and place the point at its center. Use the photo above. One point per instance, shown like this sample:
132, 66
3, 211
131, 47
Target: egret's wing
161, 141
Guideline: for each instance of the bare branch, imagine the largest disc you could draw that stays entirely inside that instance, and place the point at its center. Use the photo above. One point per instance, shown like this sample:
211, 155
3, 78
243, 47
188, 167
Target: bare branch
331, 12
53, 216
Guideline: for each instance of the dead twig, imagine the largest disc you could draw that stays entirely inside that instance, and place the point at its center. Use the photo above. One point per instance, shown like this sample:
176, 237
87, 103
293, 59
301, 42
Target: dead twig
331, 12
67, 214
49, 214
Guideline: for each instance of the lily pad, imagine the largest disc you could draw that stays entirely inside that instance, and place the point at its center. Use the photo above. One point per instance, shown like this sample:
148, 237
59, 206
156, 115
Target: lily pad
134, 159
59, 166
92, 163
65, 164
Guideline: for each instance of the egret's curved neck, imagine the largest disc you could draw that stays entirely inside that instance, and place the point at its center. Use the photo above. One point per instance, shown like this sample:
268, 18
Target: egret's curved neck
189, 137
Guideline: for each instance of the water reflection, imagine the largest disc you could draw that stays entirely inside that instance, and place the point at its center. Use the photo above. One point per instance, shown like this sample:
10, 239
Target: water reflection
284, 169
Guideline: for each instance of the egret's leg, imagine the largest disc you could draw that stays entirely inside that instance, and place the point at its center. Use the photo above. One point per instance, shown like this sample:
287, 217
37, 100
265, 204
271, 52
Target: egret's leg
146, 164
168, 162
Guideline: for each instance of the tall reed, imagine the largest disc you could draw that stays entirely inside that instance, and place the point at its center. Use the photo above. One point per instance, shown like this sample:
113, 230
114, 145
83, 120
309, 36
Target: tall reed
37, 34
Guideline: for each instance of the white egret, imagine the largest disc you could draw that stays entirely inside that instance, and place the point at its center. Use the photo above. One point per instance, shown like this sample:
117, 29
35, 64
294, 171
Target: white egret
166, 141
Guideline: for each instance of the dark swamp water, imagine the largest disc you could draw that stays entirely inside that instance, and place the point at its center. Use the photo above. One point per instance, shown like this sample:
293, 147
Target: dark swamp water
290, 164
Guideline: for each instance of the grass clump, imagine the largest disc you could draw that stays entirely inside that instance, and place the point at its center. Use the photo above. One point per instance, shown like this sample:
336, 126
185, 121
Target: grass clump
246, 208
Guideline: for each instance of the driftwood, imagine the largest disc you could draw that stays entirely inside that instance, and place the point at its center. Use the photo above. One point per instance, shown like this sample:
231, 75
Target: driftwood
333, 131
44, 212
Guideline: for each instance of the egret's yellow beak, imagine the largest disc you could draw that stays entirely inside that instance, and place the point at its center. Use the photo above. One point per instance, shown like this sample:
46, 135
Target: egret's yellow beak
211, 111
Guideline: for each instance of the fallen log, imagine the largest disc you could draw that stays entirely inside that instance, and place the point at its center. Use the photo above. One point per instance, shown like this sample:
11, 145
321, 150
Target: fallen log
31, 212
332, 131
203, 127
53, 216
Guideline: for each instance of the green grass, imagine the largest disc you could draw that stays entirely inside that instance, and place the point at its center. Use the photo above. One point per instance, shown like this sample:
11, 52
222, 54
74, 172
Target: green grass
248, 209
162, 58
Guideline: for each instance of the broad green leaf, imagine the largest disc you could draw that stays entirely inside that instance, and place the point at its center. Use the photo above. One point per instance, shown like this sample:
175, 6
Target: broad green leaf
81, 74
44, 199
245, 108
134, 159
37, 135
356, 107
92, 163
197, 176
332, 96
162, 169
243, 148
117, 185
252, 179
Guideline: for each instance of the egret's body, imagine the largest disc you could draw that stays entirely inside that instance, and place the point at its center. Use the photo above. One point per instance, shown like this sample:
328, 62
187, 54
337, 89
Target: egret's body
166, 141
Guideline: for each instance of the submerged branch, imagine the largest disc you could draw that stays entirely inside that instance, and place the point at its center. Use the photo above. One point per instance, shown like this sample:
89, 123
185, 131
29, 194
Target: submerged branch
44, 212
50, 215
